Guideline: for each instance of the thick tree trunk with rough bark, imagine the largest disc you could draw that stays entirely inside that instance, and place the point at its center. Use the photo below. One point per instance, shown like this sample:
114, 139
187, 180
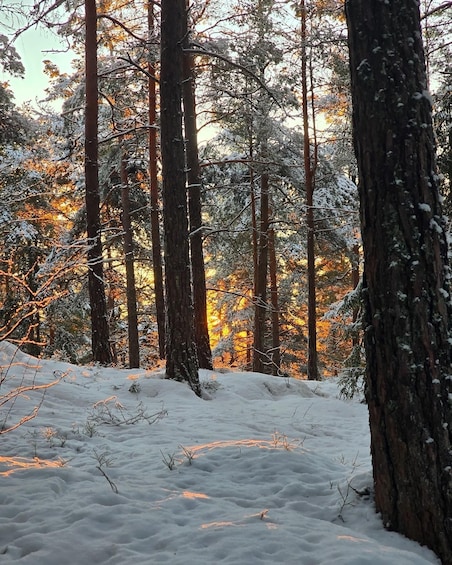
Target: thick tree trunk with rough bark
406, 274
202, 339
355, 282
99, 322
181, 360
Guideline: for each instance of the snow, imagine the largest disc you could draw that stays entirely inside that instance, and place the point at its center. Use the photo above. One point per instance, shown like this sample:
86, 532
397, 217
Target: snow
125, 467
424, 207
435, 226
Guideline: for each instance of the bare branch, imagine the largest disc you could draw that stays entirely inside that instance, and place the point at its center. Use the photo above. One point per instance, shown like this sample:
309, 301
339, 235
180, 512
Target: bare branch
122, 26
198, 49
129, 60
437, 9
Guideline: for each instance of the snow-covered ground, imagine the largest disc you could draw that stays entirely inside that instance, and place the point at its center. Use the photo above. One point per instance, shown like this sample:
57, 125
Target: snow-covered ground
127, 468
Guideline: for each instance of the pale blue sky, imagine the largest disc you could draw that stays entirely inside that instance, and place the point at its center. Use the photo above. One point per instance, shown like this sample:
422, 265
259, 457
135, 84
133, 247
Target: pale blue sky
34, 46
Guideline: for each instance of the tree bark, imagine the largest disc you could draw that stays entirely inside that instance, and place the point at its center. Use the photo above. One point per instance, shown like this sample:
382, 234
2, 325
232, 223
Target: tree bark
355, 282
276, 346
181, 359
260, 356
254, 241
309, 170
202, 339
157, 263
406, 274
99, 323
131, 291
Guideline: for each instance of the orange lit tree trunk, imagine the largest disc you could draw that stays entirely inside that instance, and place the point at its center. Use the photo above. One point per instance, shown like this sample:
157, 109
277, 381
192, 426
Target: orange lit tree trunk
99, 322
131, 292
194, 204
181, 359
157, 263
407, 278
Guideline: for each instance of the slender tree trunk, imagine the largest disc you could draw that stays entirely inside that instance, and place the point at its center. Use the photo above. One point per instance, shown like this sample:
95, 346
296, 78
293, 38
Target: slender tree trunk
111, 294
313, 373
260, 357
202, 339
406, 274
276, 346
131, 291
99, 323
249, 342
157, 263
181, 359
254, 240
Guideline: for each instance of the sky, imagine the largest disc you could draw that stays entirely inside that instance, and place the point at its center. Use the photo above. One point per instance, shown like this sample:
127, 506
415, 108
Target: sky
125, 467
34, 46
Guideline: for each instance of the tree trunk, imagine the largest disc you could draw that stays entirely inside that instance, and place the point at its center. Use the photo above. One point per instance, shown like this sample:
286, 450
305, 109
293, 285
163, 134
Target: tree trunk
99, 323
157, 265
194, 204
181, 360
131, 291
254, 241
355, 282
406, 275
276, 349
313, 373
260, 356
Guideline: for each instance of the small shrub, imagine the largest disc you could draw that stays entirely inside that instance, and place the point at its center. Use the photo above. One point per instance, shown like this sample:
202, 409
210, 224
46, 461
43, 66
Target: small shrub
169, 459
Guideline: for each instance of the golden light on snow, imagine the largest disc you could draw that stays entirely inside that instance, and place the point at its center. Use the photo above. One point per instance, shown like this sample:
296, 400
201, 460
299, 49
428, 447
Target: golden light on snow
218, 525
133, 377
249, 518
10, 465
261, 443
352, 538
194, 495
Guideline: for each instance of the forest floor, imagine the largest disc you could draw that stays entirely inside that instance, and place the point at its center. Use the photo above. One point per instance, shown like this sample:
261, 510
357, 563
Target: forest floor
123, 467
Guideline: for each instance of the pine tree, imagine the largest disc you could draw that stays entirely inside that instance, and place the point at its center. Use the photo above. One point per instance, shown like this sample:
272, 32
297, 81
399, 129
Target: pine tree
181, 359
157, 263
99, 323
201, 328
406, 281
131, 291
